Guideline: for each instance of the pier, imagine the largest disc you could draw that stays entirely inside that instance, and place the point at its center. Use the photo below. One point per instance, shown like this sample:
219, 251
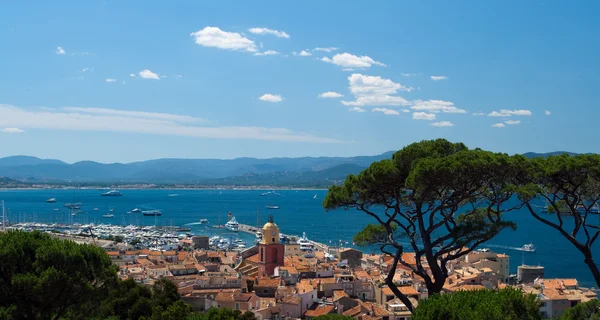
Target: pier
317, 245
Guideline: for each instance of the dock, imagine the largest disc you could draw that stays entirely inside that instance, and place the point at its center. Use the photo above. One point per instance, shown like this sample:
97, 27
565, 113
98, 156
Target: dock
317, 245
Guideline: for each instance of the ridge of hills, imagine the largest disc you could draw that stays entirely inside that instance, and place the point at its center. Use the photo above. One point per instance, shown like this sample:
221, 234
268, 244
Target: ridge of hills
299, 172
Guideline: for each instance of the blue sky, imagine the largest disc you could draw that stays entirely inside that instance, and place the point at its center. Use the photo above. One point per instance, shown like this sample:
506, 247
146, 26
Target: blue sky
133, 80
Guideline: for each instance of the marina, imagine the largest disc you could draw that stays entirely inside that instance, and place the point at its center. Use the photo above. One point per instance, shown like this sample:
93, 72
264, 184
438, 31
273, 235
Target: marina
300, 211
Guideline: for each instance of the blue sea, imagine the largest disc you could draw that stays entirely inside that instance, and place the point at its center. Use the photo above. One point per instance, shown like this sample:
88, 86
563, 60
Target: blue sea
300, 211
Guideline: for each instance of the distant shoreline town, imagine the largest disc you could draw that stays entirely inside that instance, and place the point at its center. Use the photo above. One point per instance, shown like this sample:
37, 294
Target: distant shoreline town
154, 187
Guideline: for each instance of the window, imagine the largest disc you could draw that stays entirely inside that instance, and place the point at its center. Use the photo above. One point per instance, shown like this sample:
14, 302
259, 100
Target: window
237, 306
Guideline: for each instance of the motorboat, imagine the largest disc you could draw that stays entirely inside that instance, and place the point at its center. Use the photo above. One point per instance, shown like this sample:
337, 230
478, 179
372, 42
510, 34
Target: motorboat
232, 225
112, 193
152, 213
203, 221
75, 205
272, 207
51, 200
136, 210
96, 209
108, 215
529, 247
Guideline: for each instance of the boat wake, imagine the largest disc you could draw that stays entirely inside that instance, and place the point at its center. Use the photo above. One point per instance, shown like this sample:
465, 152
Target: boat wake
507, 247
193, 224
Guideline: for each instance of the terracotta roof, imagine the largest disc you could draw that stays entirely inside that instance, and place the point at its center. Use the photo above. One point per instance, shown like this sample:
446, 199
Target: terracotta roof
113, 253
338, 294
131, 253
304, 286
560, 283
266, 303
267, 282
253, 258
320, 310
407, 290
467, 287
169, 253
354, 311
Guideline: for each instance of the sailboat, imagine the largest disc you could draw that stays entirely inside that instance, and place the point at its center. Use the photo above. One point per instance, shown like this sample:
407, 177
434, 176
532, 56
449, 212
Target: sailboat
315, 196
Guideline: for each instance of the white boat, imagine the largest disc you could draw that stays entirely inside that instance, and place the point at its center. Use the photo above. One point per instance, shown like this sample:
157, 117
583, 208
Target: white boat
136, 210
108, 215
96, 209
529, 247
56, 209
232, 225
305, 245
272, 207
315, 196
112, 193
51, 200
203, 221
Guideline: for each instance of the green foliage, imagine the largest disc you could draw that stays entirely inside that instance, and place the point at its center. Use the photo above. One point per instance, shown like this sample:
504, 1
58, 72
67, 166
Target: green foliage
222, 314
505, 304
333, 316
589, 310
373, 234
47, 278
42, 277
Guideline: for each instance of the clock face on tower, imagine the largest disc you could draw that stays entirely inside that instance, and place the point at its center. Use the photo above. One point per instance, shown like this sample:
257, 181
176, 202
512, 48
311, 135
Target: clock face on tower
273, 233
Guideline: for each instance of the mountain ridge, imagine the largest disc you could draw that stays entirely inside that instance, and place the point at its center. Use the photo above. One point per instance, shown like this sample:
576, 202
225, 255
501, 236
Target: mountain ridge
246, 171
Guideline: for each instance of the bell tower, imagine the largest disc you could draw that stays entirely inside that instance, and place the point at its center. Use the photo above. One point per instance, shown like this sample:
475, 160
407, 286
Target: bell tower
270, 251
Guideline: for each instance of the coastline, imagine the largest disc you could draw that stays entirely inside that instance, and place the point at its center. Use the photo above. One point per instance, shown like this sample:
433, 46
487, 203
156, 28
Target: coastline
230, 188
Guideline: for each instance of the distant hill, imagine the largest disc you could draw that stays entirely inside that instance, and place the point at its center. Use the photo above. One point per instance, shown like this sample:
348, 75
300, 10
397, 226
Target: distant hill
318, 171
547, 154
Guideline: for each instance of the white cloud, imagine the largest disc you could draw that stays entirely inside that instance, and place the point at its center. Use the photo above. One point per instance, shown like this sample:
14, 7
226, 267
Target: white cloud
357, 109
479, 114
438, 78
178, 76
147, 74
386, 111
350, 62
12, 130
271, 97
328, 49
443, 124
405, 110
277, 33
110, 80
217, 38
512, 121
86, 69
330, 94
508, 113
436, 106
302, 53
409, 74
60, 50
423, 116
547, 112
267, 53
498, 125
110, 120
132, 75
375, 91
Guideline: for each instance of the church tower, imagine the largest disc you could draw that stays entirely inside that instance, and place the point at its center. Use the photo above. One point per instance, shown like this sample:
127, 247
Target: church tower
270, 251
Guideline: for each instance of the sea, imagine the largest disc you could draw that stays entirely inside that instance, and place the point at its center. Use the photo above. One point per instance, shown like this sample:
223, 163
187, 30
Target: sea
300, 211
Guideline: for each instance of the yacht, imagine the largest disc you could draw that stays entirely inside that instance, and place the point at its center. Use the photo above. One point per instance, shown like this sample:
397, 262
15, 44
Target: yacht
232, 225
112, 193
96, 209
152, 213
136, 210
305, 245
75, 206
108, 215
203, 221
529, 247
272, 207
51, 200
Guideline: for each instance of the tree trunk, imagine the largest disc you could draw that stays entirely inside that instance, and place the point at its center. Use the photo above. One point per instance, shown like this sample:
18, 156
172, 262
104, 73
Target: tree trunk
389, 280
589, 260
